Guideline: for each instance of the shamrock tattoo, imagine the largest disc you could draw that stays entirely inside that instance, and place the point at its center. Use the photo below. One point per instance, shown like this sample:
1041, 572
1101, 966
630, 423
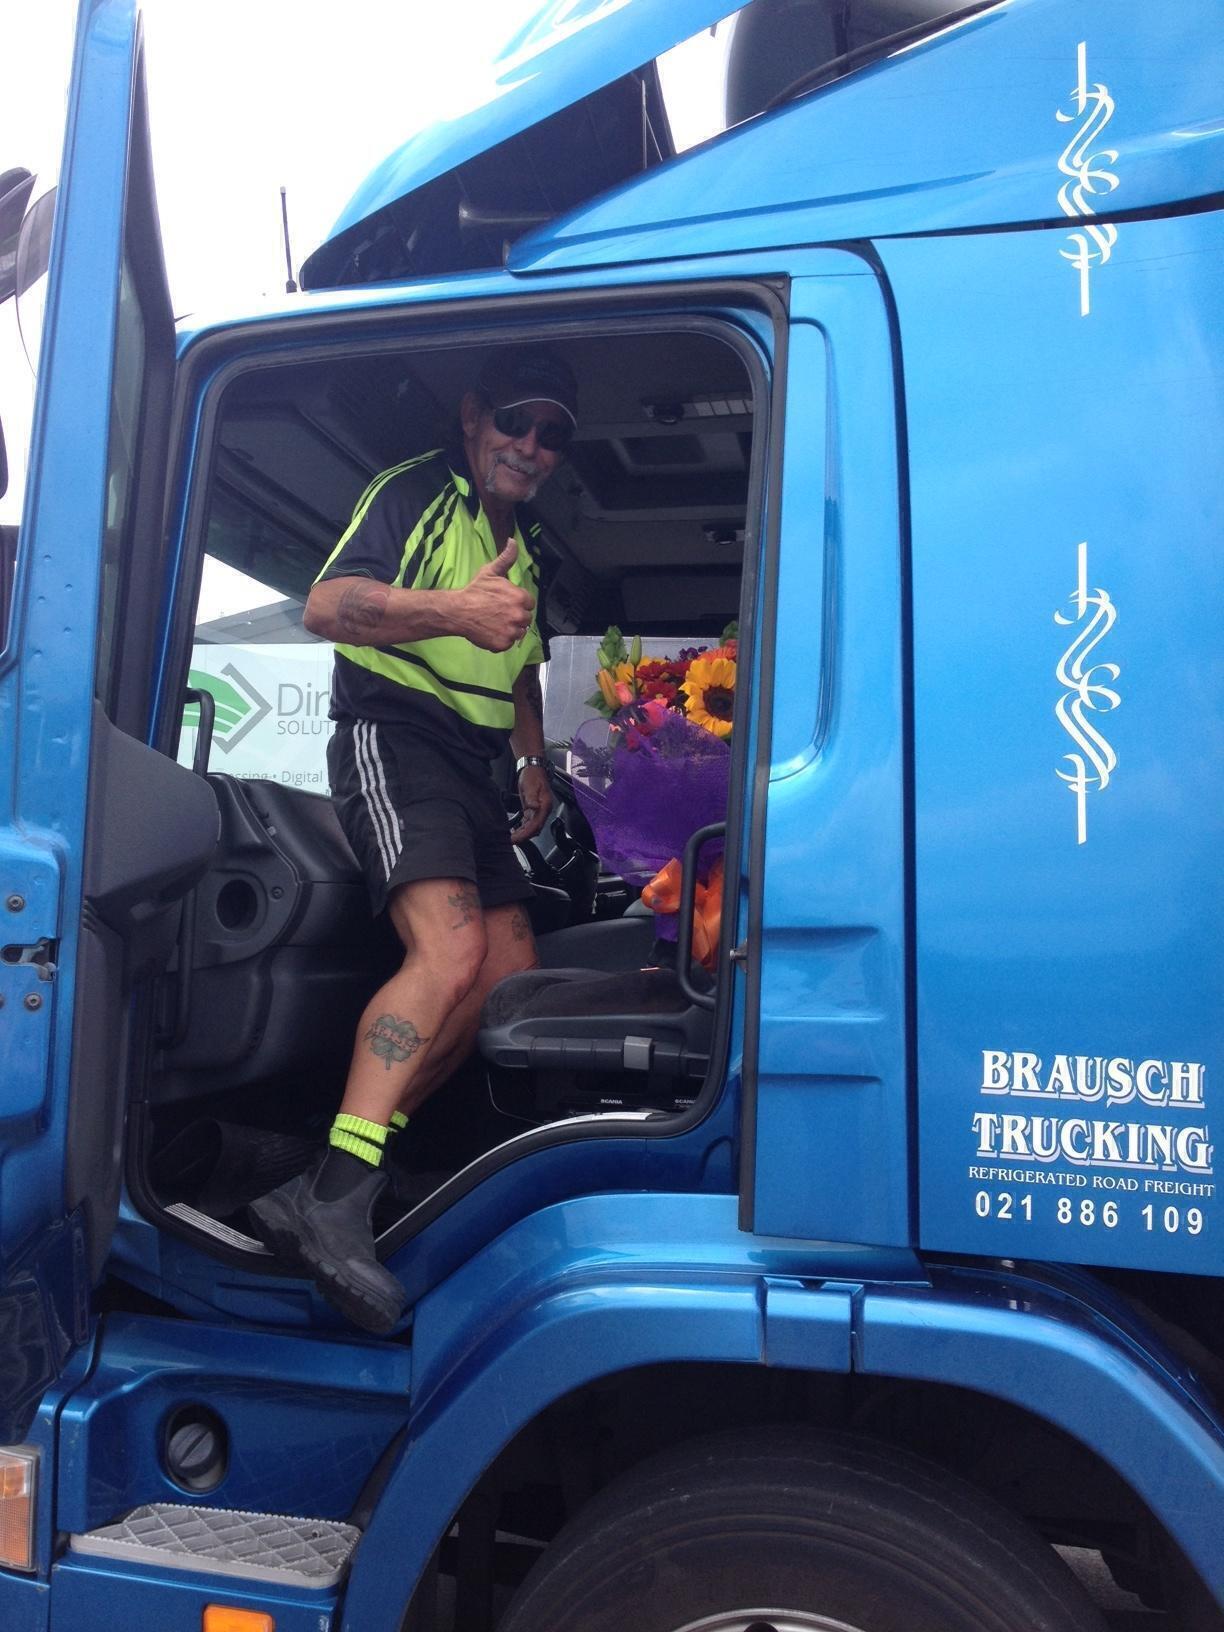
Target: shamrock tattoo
394, 1040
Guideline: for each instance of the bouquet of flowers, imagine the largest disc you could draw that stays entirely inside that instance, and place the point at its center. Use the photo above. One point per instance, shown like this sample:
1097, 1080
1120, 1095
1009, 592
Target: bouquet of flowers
653, 768
698, 683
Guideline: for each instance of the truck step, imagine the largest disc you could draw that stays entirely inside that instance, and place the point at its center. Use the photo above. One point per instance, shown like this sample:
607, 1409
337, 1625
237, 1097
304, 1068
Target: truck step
252, 1546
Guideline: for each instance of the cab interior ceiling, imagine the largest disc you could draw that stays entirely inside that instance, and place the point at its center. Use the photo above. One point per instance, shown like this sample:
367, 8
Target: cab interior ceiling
644, 519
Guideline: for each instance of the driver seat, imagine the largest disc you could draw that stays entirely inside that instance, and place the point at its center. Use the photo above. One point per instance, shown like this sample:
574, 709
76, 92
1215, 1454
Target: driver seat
576, 1041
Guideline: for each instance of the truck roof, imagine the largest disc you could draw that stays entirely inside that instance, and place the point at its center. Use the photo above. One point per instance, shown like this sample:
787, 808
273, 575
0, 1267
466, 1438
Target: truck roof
978, 116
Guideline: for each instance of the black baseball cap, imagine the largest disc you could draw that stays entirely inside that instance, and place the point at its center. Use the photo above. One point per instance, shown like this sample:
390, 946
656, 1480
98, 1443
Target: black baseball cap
509, 378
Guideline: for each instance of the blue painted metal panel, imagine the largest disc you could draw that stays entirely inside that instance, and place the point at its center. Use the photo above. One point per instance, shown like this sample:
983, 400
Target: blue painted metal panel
24, 1604
306, 1421
1068, 505
43, 1437
966, 129
1060, 1360
809, 1330
46, 688
563, 53
572, 1293
832, 1142
595, 1286
93, 1595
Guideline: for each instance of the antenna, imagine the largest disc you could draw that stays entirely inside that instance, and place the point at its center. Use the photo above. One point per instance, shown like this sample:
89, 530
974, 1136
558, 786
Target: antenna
290, 284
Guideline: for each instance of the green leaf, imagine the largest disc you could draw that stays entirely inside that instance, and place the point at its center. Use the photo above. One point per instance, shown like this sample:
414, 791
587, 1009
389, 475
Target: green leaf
612, 648
731, 632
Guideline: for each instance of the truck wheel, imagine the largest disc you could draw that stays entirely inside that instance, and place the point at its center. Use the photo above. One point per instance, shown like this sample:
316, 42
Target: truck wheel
789, 1530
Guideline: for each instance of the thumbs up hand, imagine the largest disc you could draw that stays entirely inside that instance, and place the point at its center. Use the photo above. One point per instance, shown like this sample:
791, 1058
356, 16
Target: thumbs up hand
501, 566
494, 613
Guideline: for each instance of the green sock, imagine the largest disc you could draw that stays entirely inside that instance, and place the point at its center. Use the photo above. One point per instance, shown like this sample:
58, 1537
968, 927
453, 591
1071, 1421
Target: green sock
398, 1122
359, 1138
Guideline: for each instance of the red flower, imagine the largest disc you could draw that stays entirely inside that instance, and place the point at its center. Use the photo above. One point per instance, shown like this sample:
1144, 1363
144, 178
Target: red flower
665, 691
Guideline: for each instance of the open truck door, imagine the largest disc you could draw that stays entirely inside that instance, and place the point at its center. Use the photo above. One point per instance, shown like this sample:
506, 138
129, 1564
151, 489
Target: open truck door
99, 836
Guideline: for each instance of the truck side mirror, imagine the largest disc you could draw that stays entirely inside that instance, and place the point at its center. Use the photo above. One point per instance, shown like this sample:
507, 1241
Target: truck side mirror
15, 189
33, 252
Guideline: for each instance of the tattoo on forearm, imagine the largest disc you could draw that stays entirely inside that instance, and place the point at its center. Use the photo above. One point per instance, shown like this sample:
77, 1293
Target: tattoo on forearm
467, 904
393, 1040
361, 610
520, 926
532, 695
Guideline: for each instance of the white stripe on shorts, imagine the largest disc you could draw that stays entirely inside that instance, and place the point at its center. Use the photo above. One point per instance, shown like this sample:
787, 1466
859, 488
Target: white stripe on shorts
397, 831
383, 819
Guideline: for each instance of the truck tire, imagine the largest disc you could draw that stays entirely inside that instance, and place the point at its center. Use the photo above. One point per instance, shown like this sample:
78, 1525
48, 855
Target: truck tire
790, 1530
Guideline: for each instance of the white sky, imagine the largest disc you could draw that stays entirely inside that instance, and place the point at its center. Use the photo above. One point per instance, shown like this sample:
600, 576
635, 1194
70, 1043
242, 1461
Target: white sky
248, 95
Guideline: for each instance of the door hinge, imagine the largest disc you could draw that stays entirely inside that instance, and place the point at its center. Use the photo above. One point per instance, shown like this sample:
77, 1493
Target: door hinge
739, 954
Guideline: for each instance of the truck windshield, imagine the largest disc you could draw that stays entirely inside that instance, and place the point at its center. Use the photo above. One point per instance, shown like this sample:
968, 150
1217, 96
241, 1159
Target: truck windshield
773, 49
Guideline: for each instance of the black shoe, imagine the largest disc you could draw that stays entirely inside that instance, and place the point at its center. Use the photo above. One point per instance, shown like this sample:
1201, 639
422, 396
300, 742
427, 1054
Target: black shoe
333, 1242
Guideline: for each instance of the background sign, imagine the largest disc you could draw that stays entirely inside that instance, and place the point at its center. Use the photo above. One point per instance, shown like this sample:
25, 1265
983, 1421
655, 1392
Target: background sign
271, 711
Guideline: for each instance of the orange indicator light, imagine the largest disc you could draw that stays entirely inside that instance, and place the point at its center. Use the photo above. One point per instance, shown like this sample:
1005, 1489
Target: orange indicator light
17, 1474
219, 1618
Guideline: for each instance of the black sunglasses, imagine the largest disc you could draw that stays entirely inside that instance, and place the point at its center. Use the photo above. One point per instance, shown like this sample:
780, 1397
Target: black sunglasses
553, 434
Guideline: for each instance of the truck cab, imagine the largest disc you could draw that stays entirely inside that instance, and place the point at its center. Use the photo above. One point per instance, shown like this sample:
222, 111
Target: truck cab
874, 1273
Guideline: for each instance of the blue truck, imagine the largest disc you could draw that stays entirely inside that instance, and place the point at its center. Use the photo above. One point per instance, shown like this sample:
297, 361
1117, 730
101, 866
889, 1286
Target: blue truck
846, 1295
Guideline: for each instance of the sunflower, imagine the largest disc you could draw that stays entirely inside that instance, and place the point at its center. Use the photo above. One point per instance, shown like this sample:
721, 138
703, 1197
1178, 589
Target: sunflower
710, 691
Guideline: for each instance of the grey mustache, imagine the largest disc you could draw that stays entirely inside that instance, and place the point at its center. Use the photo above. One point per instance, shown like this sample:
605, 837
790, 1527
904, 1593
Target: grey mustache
525, 467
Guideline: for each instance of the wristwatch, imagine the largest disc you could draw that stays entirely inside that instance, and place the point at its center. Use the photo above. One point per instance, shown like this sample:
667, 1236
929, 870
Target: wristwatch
521, 765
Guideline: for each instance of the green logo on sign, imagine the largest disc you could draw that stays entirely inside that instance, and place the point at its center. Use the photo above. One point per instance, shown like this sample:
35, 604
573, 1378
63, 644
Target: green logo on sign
239, 707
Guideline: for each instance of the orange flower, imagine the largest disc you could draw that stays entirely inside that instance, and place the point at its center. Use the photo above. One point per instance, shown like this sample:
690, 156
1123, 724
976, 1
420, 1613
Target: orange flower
617, 686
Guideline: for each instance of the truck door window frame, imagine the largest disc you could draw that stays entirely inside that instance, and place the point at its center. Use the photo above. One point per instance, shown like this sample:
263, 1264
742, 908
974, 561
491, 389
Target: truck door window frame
483, 321
134, 542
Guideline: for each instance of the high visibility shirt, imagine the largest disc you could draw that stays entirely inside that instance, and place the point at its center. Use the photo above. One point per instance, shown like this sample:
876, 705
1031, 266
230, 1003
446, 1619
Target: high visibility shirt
420, 526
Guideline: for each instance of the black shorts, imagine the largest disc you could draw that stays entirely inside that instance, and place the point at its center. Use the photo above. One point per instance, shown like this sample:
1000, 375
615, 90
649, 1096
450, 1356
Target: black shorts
410, 812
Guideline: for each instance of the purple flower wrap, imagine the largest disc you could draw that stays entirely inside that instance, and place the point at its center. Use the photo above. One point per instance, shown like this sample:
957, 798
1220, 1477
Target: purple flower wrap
646, 792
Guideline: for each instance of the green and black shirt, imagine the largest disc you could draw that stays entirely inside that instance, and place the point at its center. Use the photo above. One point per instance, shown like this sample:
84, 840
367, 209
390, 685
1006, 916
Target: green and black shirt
420, 525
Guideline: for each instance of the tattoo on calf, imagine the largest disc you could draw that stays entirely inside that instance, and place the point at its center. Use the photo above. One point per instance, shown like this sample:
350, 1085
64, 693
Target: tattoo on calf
393, 1040
361, 609
520, 927
467, 904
